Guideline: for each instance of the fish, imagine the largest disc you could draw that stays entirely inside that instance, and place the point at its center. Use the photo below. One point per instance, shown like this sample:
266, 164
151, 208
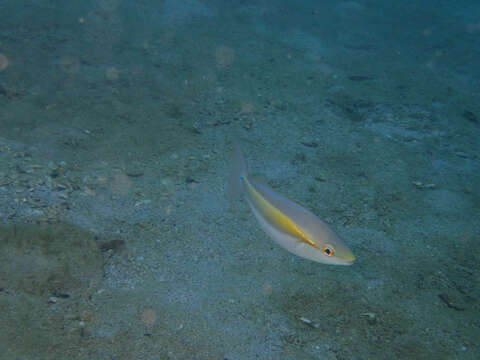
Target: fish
290, 225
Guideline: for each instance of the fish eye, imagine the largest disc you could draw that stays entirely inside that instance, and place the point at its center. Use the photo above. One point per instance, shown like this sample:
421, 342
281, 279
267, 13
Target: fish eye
328, 250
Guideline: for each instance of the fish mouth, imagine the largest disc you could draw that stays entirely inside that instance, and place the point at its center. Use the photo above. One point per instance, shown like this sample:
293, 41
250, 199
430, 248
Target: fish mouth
347, 260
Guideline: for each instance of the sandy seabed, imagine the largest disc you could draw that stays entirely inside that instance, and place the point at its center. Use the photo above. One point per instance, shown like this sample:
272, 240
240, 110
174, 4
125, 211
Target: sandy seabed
117, 122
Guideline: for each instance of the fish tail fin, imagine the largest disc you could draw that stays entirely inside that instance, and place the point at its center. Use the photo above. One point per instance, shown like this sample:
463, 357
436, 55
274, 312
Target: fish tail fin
238, 172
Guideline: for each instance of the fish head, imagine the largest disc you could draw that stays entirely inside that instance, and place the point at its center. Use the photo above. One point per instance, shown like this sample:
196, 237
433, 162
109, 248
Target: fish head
336, 254
326, 247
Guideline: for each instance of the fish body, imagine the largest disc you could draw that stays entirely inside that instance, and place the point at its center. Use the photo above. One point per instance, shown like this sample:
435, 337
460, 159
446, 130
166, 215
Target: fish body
290, 225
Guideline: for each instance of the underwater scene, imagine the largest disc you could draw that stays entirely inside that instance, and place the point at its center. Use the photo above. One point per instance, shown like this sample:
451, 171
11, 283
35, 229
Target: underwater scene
239, 179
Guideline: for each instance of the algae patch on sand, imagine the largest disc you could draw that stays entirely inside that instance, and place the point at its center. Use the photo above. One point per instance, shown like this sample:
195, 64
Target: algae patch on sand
44, 259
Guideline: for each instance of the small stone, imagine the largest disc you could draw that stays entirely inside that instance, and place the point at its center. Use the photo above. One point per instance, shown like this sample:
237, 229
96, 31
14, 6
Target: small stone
371, 318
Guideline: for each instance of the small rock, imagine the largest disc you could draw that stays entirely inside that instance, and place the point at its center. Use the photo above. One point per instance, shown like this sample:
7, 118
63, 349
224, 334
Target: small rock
371, 318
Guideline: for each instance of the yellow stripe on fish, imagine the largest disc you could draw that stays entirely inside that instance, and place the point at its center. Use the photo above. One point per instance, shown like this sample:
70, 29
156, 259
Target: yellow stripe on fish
275, 216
